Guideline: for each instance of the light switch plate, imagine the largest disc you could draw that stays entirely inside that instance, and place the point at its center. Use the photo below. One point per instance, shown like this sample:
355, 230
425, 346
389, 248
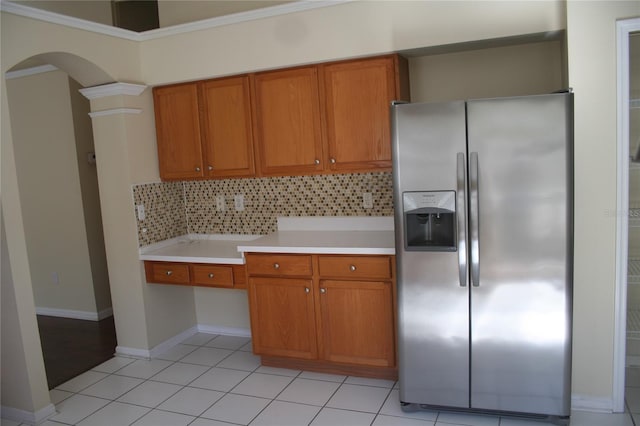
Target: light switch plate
220, 204
238, 201
141, 214
367, 200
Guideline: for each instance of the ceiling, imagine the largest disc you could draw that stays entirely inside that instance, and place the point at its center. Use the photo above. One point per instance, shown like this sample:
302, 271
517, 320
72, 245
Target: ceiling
170, 12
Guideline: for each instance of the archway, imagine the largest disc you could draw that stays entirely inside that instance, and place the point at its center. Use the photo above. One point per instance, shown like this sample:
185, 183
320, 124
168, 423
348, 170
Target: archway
58, 183
22, 380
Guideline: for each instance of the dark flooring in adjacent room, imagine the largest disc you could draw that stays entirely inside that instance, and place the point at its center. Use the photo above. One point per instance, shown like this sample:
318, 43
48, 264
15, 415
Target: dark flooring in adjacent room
71, 347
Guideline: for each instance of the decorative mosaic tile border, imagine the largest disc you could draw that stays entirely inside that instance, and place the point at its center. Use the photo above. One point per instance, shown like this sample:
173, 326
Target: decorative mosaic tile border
264, 200
164, 211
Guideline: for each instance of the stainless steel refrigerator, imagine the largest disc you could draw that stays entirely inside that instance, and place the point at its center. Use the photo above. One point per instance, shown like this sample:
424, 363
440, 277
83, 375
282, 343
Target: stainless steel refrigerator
483, 194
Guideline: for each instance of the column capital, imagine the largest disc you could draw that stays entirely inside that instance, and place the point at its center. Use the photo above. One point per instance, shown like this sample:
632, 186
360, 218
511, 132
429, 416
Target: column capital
112, 89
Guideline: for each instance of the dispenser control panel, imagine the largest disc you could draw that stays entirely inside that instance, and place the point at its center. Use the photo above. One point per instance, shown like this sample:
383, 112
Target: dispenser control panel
429, 220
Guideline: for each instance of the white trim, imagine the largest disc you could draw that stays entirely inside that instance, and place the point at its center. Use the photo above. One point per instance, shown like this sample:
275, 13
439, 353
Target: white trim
114, 111
591, 404
112, 89
9, 75
28, 417
133, 352
623, 30
171, 342
55, 18
69, 313
227, 331
235, 18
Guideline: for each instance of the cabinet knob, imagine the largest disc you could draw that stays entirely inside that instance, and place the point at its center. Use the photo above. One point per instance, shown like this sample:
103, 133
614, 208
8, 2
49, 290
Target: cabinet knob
323, 290
352, 267
197, 169
276, 266
169, 272
209, 168
307, 290
317, 161
211, 275
333, 161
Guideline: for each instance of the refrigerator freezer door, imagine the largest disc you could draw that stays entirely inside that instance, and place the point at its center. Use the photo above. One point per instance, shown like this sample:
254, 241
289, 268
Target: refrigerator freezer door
433, 335
521, 309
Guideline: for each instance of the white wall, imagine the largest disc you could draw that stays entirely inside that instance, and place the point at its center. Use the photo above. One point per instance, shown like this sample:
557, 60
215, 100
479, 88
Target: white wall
592, 73
94, 10
526, 69
90, 197
50, 194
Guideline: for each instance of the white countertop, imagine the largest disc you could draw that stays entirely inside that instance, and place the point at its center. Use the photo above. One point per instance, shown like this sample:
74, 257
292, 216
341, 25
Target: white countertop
198, 249
313, 235
323, 242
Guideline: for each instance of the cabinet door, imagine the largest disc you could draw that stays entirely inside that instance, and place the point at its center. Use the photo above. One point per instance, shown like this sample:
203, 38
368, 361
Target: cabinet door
357, 96
357, 322
228, 140
288, 125
282, 317
178, 131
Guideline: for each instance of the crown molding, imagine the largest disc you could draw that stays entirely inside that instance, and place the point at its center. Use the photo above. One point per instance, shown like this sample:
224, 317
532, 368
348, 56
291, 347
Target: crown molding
114, 111
29, 71
112, 89
56, 18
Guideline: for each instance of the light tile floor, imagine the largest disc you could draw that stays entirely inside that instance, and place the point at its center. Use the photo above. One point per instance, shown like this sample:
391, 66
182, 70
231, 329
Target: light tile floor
210, 380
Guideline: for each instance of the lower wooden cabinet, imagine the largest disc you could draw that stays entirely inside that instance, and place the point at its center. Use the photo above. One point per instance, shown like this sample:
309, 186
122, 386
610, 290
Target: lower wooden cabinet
282, 317
196, 274
357, 322
336, 316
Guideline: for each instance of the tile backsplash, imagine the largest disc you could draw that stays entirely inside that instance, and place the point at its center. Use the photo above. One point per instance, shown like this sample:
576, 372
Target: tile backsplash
178, 208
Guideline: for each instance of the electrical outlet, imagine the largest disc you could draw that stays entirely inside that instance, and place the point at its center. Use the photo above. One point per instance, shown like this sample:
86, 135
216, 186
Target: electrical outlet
367, 200
220, 205
141, 214
238, 201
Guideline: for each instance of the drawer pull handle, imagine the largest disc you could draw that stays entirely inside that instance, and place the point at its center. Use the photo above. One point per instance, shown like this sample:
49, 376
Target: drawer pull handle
352, 268
211, 275
197, 169
169, 272
307, 290
323, 290
276, 266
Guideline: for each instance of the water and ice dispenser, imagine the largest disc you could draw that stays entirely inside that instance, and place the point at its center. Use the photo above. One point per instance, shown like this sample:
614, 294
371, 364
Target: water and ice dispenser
429, 220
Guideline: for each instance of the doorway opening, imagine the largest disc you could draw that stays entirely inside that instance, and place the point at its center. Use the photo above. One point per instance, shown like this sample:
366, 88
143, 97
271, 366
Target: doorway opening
60, 201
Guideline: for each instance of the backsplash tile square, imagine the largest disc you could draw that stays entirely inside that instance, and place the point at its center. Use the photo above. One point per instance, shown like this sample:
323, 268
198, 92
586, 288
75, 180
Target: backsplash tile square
264, 200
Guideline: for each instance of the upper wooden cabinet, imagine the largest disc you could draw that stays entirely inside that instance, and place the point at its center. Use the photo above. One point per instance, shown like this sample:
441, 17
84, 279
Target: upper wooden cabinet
204, 129
324, 118
227, 136
287, 121
178, 131
357, 95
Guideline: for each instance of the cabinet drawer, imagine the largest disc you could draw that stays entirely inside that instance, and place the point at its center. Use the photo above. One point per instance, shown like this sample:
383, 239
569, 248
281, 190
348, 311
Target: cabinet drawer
164, 272
279, 264
209, 275
355, 266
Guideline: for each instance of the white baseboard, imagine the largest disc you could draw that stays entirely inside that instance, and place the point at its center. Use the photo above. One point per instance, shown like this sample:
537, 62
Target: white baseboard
158, 349
591, 404
69, 313
28, 417
172, 341
227, 331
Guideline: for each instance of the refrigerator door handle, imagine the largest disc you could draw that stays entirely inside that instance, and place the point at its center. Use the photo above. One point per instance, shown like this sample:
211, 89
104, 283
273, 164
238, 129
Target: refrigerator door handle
474, 219
462, 220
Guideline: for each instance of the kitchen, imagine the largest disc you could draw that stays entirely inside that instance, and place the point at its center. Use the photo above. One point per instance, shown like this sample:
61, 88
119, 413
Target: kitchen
146, 328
